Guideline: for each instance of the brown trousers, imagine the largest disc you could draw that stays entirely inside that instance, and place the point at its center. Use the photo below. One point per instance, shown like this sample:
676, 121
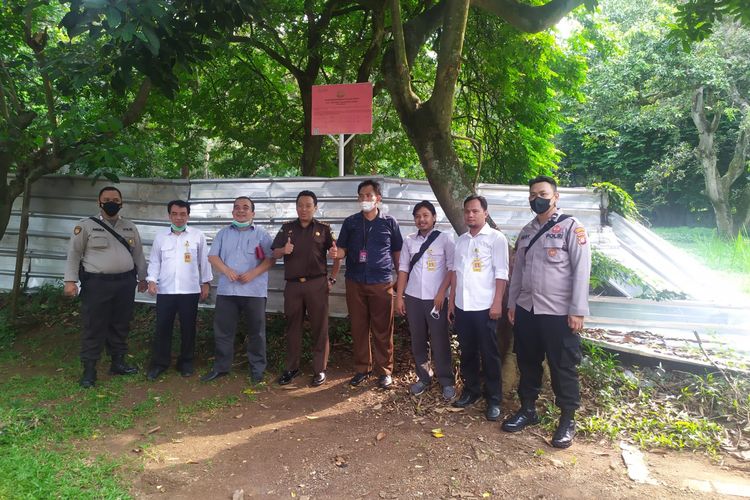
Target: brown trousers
310, 296
371, 316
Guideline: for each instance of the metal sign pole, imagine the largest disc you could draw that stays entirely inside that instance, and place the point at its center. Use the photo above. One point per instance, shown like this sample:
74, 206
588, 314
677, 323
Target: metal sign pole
342, 143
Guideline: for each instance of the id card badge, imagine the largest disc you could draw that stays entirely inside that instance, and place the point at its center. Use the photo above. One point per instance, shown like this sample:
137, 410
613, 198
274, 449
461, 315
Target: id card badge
188, 258
476, 265
362, 256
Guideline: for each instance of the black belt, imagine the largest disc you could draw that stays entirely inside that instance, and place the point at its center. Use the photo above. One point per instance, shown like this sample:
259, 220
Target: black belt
85, 275
305, 278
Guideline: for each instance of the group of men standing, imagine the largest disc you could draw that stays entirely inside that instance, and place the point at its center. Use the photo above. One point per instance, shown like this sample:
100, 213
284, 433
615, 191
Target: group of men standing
439, 282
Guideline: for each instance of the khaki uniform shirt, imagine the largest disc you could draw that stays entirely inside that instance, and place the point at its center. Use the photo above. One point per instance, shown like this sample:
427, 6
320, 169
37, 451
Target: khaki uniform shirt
311, 243
552, 277
101, 253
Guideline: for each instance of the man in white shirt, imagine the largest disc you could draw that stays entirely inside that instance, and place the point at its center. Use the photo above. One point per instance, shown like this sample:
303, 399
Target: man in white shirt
179, 275
423, 279
477, 286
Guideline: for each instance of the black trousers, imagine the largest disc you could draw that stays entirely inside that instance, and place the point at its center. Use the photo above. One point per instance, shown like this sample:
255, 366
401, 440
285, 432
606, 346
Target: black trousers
540, 335
168, 306
106, 311
477, 339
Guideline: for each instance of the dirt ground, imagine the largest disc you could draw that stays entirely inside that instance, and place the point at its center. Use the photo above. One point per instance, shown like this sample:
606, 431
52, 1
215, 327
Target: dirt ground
339, 442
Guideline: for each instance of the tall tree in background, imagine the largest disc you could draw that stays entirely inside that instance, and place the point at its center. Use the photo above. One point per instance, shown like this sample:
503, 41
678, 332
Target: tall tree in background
427, 120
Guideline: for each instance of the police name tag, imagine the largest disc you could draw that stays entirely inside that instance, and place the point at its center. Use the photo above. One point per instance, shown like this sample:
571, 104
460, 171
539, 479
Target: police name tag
362, 256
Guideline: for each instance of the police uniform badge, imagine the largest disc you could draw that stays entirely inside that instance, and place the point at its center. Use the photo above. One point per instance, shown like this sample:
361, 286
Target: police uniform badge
131, 241
581, 235
77, 230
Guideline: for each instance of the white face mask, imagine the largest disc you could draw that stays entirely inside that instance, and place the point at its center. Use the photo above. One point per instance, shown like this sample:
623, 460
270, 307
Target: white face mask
367, 206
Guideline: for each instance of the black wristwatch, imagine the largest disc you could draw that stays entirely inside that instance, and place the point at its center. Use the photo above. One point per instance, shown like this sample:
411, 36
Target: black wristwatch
332, 280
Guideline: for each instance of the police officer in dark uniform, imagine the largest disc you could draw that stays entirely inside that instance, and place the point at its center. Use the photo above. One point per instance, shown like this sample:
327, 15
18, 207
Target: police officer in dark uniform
303, 243
547, 301
105, 254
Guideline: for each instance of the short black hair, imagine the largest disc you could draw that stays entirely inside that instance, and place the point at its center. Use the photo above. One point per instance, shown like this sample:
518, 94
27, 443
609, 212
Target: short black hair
370, 182
482, 200
424, 204
307, 193
252, 203
179, 203
109, 188
544, 178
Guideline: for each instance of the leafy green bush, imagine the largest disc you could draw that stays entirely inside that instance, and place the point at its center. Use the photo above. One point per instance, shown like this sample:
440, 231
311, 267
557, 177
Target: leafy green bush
619, 201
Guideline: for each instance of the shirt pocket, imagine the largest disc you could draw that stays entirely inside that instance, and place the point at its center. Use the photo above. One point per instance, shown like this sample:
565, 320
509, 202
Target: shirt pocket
99, 242
554, 250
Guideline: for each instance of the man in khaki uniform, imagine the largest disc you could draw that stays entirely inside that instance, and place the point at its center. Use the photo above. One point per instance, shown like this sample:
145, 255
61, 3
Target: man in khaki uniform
303, 243
105, 254
547, 302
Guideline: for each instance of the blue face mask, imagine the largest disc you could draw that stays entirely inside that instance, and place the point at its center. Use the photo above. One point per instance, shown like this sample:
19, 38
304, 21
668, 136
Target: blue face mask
178, 229
240, 224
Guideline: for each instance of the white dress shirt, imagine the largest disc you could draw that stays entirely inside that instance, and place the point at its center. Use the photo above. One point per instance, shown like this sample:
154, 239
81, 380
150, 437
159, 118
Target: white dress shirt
179, 261
430, 270
479, 261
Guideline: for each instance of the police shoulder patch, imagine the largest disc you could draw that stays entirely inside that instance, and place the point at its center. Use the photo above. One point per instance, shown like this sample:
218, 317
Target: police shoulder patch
77, 230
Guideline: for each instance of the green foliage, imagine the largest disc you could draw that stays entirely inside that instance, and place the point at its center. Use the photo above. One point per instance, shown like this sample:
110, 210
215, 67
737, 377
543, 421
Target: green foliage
640, 405
605, 269
208, 405
619, 200
731, 256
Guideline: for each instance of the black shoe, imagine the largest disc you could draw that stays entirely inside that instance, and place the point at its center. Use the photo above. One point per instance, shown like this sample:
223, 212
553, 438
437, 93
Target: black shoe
319, 379
255, 379
213, 375
520, 420
154, 373
492, 413
187, 371
566, 431
385, 381
88, 379
358, 378
287, 377
466, 399
119, 367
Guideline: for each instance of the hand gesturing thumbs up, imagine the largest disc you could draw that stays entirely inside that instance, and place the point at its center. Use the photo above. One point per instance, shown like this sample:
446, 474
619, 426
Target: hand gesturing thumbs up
289, 247
333, 252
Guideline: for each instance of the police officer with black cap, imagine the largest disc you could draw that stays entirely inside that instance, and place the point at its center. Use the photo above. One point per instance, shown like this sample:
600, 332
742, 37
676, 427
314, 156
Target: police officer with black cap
106, 255
547, 302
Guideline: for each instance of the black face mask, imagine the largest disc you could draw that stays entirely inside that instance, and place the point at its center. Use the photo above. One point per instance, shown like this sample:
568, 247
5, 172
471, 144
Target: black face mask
111, 208
540, 205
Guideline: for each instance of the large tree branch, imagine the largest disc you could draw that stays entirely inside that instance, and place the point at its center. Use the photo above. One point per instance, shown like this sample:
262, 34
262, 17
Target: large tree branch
449, 61
528, 18
37, 42
138, 106
272, 53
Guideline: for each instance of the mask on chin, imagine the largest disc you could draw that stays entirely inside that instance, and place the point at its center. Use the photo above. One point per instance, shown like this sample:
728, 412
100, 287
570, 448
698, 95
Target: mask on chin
540, 205
367, 206
111, 208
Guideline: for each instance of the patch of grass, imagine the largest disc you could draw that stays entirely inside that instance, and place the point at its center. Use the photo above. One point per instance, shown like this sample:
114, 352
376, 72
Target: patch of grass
704, 244
656, 408
209, 405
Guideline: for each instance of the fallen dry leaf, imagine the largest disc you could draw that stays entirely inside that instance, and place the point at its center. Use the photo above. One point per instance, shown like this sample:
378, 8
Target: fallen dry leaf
437, 433
340, 462
380, 436
239, 415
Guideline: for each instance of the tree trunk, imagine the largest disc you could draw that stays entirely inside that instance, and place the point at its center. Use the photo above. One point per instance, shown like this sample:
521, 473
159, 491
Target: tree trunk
311, 144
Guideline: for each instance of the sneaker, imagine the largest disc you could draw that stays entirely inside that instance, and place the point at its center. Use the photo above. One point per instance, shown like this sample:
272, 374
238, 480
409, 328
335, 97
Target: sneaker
449, 392
418, 388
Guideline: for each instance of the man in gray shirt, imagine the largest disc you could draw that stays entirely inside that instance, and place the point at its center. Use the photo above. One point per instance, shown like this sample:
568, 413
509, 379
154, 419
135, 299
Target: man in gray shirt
547, 302
106, 255
242, 254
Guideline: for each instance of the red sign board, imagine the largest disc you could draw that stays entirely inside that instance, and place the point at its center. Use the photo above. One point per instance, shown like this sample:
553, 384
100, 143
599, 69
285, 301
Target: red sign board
342, 109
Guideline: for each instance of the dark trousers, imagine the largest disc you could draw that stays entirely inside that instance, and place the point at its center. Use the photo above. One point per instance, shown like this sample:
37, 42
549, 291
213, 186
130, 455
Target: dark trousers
310, 296
226, 316
429, 334
168, 306
106, 311
371, 316
477, 339
540, 335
